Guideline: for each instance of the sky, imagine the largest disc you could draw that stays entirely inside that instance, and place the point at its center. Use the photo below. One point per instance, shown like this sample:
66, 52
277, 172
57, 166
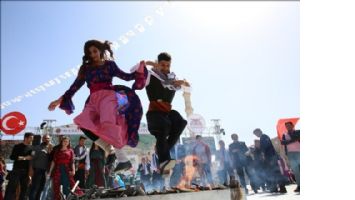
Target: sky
241, 58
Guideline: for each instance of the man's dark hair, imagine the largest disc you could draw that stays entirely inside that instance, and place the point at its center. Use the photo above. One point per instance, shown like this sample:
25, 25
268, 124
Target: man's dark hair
28, 134
82, 137
198, 137
289, 123
164, 56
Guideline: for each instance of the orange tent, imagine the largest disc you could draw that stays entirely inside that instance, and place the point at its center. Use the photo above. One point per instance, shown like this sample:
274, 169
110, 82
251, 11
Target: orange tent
281, 129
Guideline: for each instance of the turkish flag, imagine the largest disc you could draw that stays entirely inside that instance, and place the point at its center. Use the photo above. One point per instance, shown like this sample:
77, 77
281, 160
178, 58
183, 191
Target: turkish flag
281, 128
13, 123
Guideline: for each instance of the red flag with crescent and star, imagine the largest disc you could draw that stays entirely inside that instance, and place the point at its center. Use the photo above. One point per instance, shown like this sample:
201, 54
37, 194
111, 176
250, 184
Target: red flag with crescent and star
13, 123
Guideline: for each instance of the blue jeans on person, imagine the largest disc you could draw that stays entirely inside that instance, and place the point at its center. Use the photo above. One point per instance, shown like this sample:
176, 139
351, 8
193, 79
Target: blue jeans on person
223, 174
241, 174
157, 181
294, 158
145, 180
207, 174
47, 193
177, 174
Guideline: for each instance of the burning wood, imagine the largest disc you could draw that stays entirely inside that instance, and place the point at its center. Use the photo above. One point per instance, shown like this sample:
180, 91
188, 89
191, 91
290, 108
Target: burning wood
188, 173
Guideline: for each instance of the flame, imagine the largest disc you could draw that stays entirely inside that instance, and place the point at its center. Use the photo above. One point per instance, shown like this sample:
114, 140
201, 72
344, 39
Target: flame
188, 173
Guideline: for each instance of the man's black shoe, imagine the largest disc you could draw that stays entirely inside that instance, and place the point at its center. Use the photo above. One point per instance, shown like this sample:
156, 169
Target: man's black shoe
283, 190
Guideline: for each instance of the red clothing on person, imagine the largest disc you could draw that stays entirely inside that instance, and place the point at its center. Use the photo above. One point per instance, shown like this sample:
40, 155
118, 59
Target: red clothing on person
63, 159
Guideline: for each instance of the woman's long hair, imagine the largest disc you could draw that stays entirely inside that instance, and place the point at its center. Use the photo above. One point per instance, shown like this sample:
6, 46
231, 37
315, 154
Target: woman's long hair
61, 142
102, 46
100, 149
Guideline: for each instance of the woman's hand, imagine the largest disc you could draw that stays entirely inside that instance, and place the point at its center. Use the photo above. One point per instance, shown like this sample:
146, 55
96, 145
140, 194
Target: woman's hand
141, 67
48, 175
72, 173
54, 104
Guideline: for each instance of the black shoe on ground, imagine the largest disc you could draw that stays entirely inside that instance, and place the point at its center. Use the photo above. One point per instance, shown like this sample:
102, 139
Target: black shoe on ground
123, 166
283, 190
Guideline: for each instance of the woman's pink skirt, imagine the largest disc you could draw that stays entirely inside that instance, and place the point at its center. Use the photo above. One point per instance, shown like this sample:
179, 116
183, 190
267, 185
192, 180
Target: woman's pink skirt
101, 117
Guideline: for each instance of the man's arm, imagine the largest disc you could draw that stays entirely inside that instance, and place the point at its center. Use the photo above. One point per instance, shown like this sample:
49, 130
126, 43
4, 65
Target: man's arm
293, 139
284, 141
15, 153
244, 147
263, 144
179, 83
82, 156
139, 167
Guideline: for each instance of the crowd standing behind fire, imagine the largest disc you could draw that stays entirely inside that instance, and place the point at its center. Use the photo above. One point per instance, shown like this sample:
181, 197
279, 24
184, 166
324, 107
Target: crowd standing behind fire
258, 166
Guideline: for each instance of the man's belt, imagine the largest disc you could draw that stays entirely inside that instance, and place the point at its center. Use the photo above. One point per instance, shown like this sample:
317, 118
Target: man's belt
159, 105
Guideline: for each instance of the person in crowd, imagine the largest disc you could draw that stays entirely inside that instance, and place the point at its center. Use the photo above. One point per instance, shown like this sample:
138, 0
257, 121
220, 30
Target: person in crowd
144, 169
224, 164
96, 167
40, 164
237, 151
204, 160
291, 141
274, 180
259, 166
21, 172
109, 170
62, 169
2, 176
80, 152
